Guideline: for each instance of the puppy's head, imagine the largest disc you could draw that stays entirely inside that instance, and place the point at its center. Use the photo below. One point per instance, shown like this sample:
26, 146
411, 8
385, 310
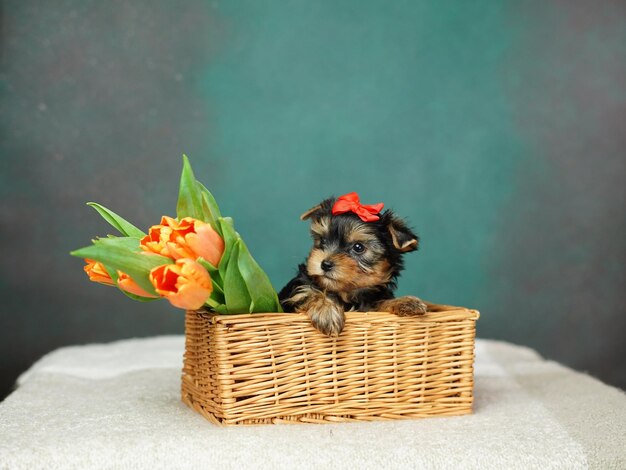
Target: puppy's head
349, 254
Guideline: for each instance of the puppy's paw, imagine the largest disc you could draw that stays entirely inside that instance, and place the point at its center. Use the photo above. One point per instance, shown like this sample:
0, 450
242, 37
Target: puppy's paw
404, 306
326, 316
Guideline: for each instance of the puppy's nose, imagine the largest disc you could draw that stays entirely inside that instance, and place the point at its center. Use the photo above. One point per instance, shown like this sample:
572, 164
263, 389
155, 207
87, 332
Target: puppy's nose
327, 265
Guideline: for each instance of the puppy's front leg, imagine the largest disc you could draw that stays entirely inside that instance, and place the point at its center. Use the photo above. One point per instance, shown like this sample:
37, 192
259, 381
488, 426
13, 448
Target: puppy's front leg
403, 306
326, 315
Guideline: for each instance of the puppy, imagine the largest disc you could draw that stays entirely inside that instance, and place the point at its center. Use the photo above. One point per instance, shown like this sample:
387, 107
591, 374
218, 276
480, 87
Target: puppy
354, 264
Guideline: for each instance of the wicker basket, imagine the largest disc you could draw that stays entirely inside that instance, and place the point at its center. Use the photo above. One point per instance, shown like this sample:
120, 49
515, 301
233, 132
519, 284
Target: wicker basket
276, 368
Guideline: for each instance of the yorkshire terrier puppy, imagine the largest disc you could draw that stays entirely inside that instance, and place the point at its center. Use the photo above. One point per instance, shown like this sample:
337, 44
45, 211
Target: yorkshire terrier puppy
354, 264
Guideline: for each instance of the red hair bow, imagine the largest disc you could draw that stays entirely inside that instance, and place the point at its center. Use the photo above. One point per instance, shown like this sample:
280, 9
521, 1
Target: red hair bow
350, 203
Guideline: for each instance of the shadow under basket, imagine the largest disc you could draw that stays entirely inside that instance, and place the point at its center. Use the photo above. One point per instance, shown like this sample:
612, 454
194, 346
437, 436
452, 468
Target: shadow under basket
276, 368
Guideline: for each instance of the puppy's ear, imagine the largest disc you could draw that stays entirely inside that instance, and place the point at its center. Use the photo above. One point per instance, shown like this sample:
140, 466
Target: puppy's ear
308, 214
322, 209
403, 238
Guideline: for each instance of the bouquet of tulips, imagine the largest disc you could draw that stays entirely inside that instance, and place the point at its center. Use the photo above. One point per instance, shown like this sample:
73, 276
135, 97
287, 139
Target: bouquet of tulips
194, 260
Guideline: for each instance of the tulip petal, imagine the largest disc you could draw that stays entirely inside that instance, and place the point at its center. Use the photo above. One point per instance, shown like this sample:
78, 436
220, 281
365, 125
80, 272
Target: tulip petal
97, 272
189, 297
125, 282
206, 243
120, 258
178, 251
186, 284
157, 237
187, 238
195, 272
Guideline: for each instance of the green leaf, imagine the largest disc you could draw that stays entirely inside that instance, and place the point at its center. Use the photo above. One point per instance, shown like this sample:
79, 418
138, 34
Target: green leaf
130, 243
125, 228
213, 271
209, 206
209, 217
189, 198
117, 257
138, 298
216, 280
262, 294
221, 309
216, 298
113, 273
230, 237
235, 291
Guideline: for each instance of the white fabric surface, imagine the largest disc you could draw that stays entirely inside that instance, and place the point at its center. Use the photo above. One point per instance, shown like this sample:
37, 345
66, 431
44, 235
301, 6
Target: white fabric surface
118, 406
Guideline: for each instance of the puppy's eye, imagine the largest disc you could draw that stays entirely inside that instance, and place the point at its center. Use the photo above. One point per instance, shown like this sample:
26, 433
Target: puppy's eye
358, 248
322, 242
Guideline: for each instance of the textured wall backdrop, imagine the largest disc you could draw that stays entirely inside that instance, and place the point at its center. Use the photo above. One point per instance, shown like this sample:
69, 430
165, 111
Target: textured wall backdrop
495, 127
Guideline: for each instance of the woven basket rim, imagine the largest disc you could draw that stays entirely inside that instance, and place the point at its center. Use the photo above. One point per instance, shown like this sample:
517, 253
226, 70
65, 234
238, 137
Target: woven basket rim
436, 314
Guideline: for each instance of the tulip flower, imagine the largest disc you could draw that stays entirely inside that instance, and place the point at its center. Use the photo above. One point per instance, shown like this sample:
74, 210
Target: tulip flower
126, 283
158, 236
179, 259
187, 238
185, 284
97, 273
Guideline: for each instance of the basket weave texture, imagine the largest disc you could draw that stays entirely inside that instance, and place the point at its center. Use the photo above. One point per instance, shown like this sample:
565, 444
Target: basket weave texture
276, 368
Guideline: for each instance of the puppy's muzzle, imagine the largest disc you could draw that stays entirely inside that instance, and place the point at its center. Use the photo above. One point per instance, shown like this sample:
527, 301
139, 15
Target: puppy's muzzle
327, 265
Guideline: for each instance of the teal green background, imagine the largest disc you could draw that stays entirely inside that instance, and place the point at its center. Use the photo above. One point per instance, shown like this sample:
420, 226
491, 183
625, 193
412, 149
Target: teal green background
494, 127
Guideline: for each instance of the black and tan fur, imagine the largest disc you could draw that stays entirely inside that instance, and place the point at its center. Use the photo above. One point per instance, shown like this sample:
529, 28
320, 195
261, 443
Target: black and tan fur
353, 265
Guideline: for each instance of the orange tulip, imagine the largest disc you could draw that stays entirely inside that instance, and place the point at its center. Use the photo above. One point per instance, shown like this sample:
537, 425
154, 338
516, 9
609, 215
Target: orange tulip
158, 236
187, 238
185, 284
97, 273
125, 282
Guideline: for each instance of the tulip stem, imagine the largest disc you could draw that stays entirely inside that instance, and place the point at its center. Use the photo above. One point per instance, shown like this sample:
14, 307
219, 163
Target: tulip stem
212, 303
